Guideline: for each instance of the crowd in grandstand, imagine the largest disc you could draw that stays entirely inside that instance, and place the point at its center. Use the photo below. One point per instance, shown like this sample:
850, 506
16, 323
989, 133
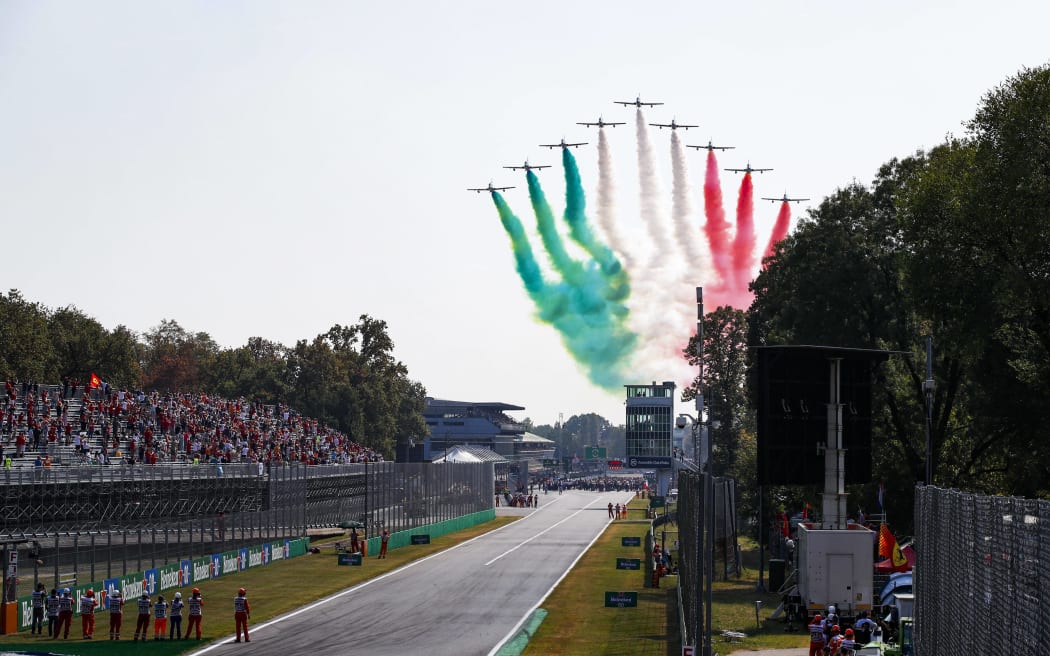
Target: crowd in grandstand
107, 425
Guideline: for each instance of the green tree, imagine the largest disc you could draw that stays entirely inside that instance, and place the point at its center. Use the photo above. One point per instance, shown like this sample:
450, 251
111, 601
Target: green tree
26, 352
174, 359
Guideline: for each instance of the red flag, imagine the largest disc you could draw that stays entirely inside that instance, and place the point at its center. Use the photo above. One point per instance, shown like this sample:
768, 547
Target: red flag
805, 512
888, 547
785, 529
95, 381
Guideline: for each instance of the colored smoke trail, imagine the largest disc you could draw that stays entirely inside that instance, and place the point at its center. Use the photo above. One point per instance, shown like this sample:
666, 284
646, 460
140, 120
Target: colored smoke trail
649, 188
552, 241
716, 227
744, 242
681, 209
592, 327
607, 201
617, 286
780, 228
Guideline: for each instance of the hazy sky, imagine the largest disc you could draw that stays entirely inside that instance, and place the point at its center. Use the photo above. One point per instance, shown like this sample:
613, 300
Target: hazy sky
274, 168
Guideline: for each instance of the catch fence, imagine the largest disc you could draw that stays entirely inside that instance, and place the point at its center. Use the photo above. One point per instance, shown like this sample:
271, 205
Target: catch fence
89, 523
982, 566
694, 548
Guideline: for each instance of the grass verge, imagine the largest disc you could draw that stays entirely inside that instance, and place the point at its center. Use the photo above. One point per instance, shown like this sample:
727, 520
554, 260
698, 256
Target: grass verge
578, 623
272, 591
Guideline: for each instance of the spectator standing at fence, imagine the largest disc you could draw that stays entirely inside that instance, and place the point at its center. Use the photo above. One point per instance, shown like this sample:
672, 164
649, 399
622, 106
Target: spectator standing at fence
65, 614
87, 614
241, 612
196, 608
142, 624
160, 623
175, 632
816, 636
39, 602
116, 614
52, 613
383, 540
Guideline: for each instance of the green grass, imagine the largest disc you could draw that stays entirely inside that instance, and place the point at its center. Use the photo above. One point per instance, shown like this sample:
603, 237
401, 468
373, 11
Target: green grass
272, 591
578, 622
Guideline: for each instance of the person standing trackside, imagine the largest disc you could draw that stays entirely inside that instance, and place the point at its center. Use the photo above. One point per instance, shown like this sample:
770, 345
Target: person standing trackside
116, 614
241, 612
816, 636
65, 614
52, 613
39, 601
87, 614
160, 624
142, 624
196, 606
175, 632
383, 540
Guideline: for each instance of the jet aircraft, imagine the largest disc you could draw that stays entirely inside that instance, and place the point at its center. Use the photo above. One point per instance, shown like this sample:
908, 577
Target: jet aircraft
785, 199
563, 144
600, 123
489, 188
672, 125
748, 169
709, 147
527, 167
637, 102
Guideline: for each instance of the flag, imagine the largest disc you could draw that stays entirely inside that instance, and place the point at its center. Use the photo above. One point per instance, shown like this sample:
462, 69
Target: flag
785, 529
889, 548
95, 381
805, 511
882, 493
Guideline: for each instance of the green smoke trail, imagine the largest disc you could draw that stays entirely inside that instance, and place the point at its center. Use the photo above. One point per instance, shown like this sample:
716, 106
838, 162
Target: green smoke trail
584, 304
571, 269
618, 285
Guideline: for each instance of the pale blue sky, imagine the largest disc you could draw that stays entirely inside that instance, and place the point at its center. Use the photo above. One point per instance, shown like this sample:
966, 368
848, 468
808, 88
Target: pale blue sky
273, 168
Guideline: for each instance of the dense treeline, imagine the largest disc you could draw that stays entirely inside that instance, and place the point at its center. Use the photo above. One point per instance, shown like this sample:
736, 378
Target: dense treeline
347, 377
953, 243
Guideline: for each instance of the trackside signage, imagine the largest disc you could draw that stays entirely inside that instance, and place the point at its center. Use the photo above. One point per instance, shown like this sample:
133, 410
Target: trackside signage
202, 569
629, 563
231, 562
630, 542
621, 599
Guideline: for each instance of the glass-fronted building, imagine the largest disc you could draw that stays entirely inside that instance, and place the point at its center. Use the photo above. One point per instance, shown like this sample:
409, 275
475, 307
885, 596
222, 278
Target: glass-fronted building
650, 419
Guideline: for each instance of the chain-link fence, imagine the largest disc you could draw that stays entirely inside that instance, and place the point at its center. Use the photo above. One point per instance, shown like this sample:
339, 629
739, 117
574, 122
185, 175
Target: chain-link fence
721, 545
86, 524
983, 564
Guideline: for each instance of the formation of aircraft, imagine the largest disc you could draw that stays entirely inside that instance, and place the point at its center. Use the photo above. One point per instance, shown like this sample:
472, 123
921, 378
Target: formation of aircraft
709, 147
527, 167
672, 125
599, 124
637, 102
785, 199
748, 169
563, 144
489, 188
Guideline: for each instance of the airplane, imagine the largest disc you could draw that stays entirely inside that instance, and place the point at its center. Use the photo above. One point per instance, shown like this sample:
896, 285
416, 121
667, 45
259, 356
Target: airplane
526, 166
672, 125
489, 188
600, 123
637, 102
710, 147
748, 169
563, 144
785, 199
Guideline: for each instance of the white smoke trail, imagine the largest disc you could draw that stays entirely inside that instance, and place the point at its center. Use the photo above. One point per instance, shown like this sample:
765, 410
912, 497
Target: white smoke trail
606, 203
659, 313
649, 187
681, 210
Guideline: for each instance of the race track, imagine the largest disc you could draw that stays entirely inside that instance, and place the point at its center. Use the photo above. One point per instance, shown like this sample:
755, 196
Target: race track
463, 601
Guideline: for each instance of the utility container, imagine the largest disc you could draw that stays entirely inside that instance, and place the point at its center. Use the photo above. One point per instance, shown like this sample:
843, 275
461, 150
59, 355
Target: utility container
835, 566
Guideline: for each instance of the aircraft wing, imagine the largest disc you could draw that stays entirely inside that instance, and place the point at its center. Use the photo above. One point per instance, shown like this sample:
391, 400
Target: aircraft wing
661, 125
760, 170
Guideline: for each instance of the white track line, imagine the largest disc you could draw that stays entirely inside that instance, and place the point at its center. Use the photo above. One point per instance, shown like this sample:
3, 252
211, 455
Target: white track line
552, 526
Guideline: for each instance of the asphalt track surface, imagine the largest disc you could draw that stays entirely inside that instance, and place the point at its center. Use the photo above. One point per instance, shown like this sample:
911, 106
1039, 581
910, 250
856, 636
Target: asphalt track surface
464, 601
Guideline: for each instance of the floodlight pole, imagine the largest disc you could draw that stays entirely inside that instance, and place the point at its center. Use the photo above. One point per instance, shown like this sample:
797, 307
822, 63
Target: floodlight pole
928, 387
706, 541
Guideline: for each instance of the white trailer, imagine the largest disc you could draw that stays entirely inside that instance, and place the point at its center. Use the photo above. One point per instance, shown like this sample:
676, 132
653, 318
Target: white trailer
835, 567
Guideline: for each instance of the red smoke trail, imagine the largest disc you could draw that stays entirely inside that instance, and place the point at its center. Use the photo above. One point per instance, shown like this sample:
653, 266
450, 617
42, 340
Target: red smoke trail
716, 227
744, 244
780, 228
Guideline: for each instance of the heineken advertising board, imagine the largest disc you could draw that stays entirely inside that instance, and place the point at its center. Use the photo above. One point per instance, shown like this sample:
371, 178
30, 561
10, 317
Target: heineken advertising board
630, 542
629, 563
